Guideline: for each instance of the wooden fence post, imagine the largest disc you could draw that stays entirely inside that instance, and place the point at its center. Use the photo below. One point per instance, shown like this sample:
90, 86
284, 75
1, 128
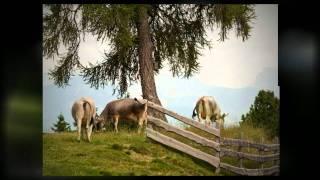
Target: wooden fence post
219, 157
261, 151
276, 162
276, 141
239, 150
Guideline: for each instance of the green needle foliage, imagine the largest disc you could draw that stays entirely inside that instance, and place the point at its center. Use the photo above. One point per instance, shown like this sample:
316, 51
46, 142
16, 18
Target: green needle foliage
177, 32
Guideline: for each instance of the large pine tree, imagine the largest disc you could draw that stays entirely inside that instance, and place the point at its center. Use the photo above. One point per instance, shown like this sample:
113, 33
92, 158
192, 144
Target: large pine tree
142, 37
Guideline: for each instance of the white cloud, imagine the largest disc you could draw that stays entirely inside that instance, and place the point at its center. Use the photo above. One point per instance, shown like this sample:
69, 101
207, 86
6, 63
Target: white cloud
91, 50
235, 64
47, 65
225, 66
268, 79
164, 102
135, 90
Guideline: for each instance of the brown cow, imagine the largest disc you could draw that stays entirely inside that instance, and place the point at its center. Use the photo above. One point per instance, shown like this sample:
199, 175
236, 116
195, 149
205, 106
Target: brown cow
131, 109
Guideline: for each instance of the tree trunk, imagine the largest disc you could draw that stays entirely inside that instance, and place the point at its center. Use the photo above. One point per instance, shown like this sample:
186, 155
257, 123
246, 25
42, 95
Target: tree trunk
146, 72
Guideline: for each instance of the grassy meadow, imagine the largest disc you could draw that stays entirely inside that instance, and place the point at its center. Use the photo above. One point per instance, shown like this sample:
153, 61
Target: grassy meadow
130, 154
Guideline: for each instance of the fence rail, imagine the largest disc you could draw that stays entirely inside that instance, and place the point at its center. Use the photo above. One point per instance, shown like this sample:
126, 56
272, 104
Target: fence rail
213, 160
182, 147
187, 134
245, 143
254, 157
250, 172
191, 122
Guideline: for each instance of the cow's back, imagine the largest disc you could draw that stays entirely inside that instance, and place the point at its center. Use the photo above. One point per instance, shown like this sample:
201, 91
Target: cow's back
125, 108
208, 107
79, 109
92, 105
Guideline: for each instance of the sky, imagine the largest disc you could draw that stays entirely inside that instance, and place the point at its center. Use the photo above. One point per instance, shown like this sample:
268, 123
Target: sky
232, 72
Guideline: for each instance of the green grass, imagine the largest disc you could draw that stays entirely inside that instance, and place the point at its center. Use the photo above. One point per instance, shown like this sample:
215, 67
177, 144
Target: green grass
110, 154
130, 154
245, 132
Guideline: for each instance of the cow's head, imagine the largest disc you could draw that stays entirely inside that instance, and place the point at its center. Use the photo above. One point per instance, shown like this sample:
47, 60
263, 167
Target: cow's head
220, 122
143, 102
99, 123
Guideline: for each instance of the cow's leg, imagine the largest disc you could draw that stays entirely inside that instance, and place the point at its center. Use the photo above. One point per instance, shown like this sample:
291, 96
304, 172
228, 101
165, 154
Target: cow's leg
83, 132
145, 120
88, 123
206, 121
115, 121
221, 124
140, 120
89, 131
79, 128
199, 117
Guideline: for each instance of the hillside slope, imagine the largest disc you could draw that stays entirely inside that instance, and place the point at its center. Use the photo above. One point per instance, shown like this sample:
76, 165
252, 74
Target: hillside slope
123, 154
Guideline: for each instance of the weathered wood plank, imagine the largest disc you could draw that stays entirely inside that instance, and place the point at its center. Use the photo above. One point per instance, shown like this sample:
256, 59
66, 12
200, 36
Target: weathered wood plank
190, 135
276, 141
245, 143
239, 157
168, 141
251, 172
191, 122
254, 157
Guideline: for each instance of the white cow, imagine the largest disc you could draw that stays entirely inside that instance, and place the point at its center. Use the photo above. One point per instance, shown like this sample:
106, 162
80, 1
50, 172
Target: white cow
208, 111
84, 113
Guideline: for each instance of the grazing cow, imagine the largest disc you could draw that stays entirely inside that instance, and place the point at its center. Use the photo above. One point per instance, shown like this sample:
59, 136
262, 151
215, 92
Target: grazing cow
130, 109
208, 111
83, 112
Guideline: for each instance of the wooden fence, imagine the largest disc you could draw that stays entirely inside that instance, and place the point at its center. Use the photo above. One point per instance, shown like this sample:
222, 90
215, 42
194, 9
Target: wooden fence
219, 145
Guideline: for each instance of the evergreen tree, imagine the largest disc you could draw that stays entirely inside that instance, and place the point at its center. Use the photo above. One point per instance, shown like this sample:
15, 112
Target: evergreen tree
142, 37
61, 125
264, 113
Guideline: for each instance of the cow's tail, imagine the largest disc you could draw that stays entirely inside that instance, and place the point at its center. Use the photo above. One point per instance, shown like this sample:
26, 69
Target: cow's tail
88, 109
194, 112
